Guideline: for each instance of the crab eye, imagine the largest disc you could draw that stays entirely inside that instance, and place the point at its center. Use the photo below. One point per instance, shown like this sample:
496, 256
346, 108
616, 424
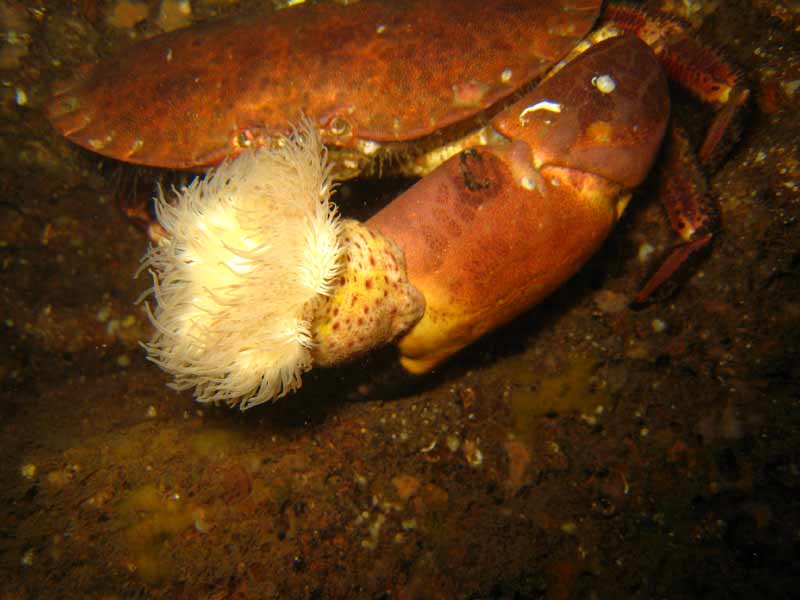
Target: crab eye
338, 126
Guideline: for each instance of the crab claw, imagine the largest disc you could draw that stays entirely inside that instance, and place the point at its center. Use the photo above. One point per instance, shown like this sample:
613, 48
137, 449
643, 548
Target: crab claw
495, 229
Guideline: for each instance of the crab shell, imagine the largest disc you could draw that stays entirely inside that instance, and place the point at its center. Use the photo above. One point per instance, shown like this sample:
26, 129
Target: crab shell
373, 76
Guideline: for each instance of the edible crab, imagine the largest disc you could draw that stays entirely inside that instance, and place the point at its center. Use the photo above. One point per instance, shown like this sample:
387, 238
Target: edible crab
521, 184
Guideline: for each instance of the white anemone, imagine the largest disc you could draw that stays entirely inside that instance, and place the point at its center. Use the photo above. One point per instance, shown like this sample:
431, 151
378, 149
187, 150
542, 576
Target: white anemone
250, 251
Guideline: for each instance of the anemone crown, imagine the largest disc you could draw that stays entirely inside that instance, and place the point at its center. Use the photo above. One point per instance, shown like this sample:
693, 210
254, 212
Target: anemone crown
250, 252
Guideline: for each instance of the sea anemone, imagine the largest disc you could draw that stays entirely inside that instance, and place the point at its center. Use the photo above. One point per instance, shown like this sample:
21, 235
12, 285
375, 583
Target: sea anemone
252, 276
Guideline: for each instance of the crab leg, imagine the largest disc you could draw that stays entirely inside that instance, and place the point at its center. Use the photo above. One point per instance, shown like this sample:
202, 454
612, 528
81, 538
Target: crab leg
684, 194
495, 229
706, 74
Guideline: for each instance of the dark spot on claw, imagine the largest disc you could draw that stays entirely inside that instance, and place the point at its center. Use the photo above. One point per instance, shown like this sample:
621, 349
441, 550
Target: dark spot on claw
473, 171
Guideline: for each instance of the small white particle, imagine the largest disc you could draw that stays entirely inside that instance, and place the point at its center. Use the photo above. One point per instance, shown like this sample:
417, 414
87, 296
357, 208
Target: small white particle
168, 55
21, 97
409, 524
429, 447
104, 314
645, 251
380, 29
473, 454
790, 87
505, 76
368, 147
527, 183
604, 83
453, 442
658, 325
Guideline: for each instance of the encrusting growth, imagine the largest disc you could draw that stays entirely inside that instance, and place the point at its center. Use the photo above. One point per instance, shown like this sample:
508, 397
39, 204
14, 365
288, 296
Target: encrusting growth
254, 280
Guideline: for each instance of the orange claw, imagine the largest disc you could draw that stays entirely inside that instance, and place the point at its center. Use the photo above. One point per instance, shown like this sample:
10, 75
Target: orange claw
495, 229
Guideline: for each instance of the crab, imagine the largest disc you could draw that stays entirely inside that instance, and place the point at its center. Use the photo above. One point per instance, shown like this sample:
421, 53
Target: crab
521, 182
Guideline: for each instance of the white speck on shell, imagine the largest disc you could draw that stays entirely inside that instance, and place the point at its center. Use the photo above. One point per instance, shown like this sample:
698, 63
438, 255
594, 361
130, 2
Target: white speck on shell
135, 146
546, 105
604, 83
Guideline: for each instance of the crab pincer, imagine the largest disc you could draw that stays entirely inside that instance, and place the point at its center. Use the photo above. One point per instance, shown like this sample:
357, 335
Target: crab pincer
496, 229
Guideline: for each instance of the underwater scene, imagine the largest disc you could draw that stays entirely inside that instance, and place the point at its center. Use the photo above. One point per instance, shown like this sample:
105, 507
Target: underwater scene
413, 299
